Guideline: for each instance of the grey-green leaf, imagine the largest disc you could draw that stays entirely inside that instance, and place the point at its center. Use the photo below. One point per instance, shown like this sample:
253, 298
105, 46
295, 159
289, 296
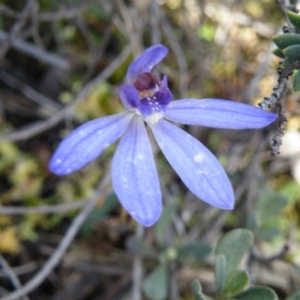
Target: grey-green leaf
139, 246
296, 82
292, 52
289, 62
197, 250
295, 296
234, 245
220, 272
294, 18
164, 222
267, 234
269, 205
285, 40
197, 290
278, 53
235, 282
255, 293
155, 284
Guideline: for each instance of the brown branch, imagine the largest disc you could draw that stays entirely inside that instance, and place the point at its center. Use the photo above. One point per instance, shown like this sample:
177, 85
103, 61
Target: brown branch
12, 276
43, 209
38, 127
29, 92
17, 27
54, 260
35, 52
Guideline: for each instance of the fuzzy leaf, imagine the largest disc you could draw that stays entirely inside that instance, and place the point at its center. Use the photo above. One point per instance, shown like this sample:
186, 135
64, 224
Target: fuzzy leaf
197, 250
255, 293
294, 18
269, 205
267, 234
278, 53
285, 40
220, 272
292, 52
234, 245
288, 62
155, 284
140, 247
197, 290
164, 222
235, 282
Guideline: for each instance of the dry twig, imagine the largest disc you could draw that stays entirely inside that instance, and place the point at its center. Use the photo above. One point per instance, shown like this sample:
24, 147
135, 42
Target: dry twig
54, 260
17, 27
45, 209
10, 273
38, 127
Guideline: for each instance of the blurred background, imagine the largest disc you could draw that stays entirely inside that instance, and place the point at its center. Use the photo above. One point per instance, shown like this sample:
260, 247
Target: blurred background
61, 63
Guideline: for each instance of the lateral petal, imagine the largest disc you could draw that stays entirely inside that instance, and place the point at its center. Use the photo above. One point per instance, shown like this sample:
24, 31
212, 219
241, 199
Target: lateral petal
134, 175
218, 114
197, 167
129, 96
146, 61
87, 142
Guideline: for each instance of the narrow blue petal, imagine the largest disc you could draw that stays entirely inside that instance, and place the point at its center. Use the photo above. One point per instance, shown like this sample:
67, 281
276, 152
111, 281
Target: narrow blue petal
134, 175
87, 142
129, 96
218, 114
197, 167
146, 61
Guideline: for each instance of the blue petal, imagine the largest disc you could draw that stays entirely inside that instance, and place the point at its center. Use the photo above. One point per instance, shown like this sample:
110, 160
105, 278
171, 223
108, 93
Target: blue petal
146, 61
134, 175
87, 142
218, 114
197, 167
129, 96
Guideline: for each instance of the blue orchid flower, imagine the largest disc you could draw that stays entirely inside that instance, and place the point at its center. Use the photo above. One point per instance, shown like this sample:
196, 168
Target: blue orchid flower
149, 100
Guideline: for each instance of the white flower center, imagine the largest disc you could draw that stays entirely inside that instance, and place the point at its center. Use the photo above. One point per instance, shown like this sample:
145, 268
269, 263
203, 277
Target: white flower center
154, 118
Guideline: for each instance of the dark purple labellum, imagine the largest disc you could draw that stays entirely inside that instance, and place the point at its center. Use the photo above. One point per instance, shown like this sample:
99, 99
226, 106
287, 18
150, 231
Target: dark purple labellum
146, 81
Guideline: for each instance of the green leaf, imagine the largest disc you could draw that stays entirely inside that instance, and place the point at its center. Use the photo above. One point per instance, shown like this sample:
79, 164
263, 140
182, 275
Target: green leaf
220, 272
234, 245
291, 190
288, 62
252, 220
296, 82
269, 205
197, 290
295, 296
294, 18
164, 222
235, 282
278, 53
292, 52
140, 247
155, 284
263, 220
255, 293
285, 40
267, 234
196, 250
99, 213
